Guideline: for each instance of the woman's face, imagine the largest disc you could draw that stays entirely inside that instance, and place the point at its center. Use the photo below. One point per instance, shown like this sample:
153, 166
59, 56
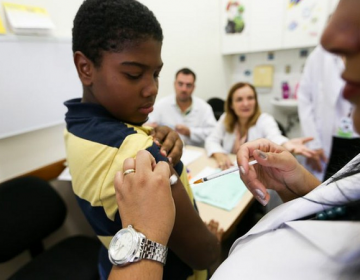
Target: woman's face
243, 102
342, 36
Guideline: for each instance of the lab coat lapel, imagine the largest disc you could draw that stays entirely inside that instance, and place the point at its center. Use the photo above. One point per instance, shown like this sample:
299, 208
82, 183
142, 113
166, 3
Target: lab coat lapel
340, 241
336, 193
335, 82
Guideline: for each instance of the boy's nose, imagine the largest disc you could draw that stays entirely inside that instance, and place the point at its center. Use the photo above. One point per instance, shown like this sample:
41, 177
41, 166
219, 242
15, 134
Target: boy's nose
151, 89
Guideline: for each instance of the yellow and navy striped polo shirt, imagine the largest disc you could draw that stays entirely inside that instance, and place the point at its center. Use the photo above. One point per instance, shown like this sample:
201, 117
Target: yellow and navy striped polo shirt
96, 146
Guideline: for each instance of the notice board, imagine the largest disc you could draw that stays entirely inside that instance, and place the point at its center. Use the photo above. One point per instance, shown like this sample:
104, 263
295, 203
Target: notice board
36, 77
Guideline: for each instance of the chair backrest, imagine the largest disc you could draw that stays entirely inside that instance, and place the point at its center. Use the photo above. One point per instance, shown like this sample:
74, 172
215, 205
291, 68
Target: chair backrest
217, 104
30, 210
282, 128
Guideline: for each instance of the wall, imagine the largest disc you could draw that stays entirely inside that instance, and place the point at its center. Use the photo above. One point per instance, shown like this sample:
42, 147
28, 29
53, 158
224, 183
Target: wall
192, 39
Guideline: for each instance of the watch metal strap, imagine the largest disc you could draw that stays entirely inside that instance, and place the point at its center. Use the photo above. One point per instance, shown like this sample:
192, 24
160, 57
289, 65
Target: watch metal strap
153, 251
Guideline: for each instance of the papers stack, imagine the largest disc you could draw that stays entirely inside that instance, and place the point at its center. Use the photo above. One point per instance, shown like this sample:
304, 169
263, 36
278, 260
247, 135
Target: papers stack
28, 19
224, 192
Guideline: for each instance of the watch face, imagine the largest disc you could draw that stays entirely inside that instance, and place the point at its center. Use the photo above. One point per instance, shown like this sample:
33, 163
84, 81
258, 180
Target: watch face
122, 246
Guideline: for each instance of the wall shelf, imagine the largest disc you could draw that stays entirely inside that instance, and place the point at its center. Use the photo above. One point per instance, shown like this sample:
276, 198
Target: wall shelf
286, 106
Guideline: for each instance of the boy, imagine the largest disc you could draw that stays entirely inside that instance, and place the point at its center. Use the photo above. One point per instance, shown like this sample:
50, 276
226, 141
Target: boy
117, 54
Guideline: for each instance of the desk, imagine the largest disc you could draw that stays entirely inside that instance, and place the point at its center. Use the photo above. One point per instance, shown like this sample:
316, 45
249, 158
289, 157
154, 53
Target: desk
227, 219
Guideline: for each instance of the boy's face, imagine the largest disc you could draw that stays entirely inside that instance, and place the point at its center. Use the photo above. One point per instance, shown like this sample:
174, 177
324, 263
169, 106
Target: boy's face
126, 83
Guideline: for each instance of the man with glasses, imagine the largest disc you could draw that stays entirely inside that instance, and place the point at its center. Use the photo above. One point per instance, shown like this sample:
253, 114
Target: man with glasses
189, 115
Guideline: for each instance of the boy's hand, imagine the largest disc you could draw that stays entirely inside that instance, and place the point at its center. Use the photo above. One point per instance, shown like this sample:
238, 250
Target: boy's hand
213, 226
170, 143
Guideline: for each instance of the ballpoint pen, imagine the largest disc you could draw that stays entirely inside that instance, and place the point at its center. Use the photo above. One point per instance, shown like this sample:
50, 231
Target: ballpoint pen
222, 173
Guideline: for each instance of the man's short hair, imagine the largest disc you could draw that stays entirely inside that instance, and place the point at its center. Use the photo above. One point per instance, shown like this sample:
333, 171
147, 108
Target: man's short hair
111, 25
185, 71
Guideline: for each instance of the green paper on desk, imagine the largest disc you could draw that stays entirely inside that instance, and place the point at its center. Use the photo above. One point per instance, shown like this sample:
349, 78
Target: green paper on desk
223, 192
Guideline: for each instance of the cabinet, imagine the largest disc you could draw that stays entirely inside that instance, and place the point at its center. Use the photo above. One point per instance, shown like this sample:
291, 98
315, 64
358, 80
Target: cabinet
272, 25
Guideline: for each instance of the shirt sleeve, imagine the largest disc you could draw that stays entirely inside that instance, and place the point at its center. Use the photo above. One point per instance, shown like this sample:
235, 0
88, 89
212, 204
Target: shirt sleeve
270, 129
199, 133
214, 141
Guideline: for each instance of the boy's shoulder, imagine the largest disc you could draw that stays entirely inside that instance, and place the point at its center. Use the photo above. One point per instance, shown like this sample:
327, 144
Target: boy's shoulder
93, 123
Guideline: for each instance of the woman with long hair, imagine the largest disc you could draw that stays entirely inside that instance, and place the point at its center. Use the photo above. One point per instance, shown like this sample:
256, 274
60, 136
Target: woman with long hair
243, 121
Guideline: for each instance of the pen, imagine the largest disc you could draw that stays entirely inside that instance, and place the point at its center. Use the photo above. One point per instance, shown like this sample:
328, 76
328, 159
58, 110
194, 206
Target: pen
222, 173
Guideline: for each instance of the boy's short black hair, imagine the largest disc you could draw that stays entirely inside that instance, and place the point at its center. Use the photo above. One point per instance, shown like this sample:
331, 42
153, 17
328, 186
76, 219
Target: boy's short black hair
112, 25
185, 71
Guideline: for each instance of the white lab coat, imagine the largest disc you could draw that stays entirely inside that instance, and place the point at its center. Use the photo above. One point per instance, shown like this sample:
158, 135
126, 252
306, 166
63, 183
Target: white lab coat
200, 120
320, 103
279, 247
221, 141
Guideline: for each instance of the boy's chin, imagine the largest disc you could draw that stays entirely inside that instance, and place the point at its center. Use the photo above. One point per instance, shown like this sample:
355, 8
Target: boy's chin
138, 122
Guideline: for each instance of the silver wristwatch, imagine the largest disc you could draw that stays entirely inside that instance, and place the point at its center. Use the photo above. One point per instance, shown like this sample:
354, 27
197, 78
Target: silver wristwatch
129, 245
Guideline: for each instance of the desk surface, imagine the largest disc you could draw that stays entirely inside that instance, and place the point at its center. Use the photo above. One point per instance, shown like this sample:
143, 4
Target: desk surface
227, 219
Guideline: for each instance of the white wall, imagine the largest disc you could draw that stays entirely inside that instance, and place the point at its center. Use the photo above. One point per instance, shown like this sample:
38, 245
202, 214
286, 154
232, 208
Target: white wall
192, 39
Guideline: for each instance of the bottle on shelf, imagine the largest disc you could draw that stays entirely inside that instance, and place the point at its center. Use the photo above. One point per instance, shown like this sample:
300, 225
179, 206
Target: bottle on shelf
285, 90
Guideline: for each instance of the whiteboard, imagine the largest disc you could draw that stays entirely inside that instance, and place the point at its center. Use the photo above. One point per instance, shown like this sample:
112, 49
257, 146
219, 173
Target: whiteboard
36, 77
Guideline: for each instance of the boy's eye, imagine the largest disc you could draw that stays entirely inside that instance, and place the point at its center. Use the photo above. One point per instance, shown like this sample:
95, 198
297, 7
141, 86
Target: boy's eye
133, 76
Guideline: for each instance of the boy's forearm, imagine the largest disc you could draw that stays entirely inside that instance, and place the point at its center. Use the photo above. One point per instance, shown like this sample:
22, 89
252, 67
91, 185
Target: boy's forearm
191, 240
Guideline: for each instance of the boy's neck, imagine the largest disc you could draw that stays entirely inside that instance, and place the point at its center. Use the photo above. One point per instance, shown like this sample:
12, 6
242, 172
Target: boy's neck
88, 97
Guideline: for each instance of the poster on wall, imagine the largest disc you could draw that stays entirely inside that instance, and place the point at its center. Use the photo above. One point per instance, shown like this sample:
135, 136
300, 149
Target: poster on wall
304, 22
235, 25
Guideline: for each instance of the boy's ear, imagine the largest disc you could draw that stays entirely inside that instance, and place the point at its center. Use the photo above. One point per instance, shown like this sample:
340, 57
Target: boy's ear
84, 67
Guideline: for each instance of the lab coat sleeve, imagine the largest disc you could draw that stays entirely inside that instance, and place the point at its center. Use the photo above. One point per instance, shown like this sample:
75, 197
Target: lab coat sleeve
307, 102
214, 142
199, 133
270, 129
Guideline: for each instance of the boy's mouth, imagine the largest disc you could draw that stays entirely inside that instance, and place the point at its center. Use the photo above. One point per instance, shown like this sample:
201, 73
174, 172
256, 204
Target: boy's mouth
147, 109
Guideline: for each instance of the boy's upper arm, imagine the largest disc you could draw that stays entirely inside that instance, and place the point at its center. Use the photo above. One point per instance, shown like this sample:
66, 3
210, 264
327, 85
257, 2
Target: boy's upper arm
190, 240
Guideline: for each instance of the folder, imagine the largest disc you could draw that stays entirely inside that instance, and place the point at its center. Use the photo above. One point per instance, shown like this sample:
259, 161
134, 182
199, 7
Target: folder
24, 19
2, 27
224, 192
